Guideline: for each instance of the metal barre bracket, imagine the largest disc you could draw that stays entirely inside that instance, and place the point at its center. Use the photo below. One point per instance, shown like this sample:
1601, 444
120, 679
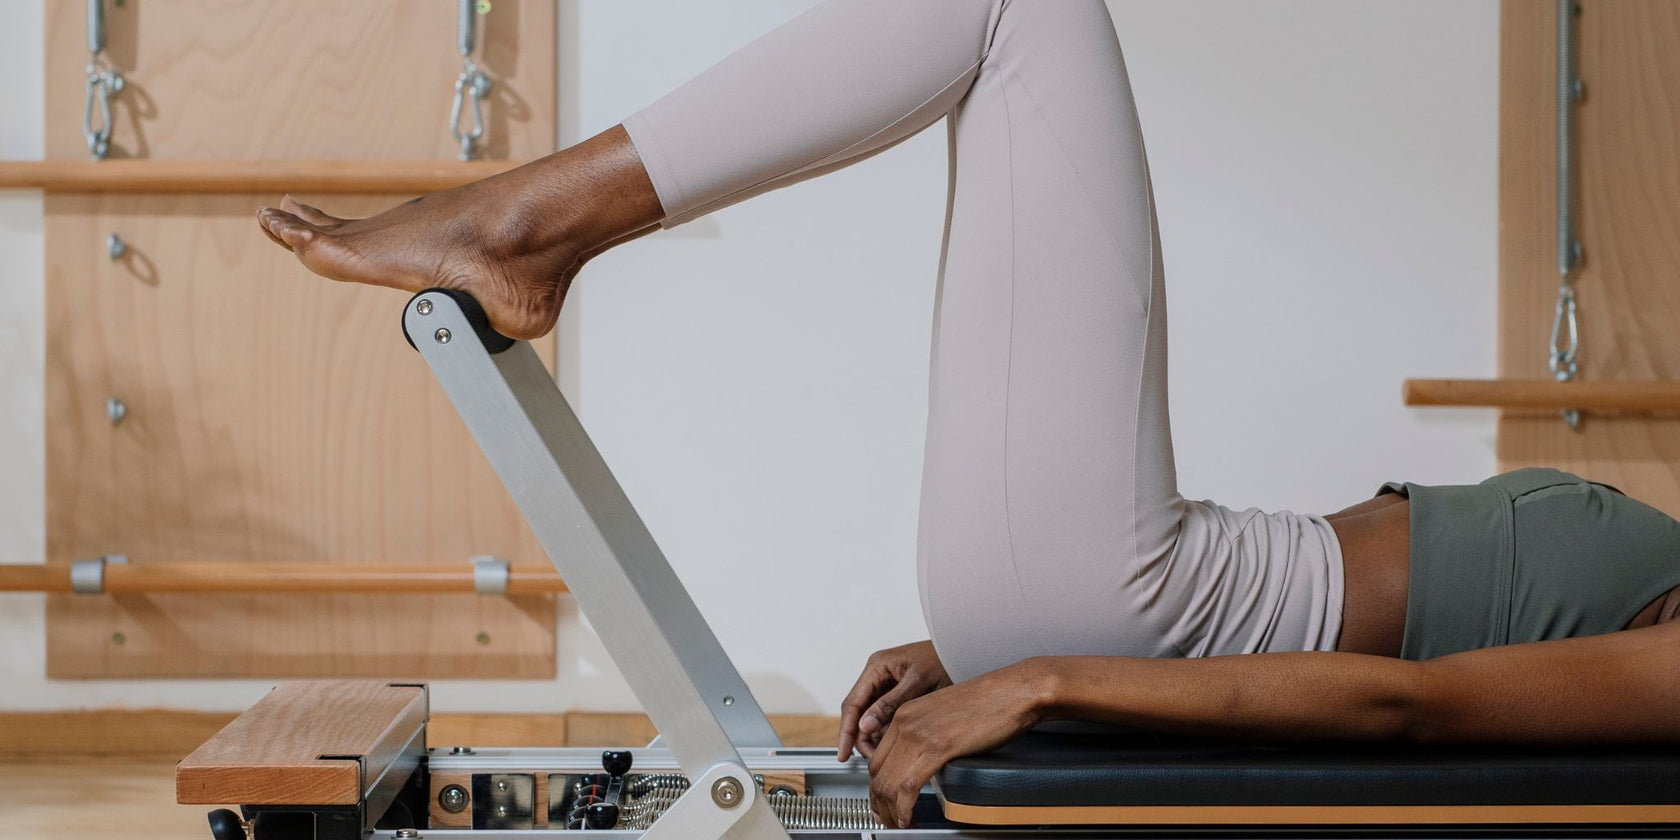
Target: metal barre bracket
87, 577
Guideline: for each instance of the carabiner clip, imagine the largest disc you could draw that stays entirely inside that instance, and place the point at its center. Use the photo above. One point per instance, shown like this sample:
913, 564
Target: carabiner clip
1564, 362
472, 85
102, 83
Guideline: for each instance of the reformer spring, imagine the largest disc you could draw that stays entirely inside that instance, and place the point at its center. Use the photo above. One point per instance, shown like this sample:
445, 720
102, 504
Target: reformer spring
648, 797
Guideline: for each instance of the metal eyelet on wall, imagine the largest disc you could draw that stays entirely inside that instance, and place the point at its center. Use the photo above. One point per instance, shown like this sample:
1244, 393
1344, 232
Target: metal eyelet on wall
472, 86
103, 82
1564, 359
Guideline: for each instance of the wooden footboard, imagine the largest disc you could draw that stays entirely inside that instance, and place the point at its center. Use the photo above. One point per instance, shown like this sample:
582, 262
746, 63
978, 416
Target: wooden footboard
310, 743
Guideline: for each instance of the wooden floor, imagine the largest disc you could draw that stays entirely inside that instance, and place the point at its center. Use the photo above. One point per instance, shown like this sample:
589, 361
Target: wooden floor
132, 799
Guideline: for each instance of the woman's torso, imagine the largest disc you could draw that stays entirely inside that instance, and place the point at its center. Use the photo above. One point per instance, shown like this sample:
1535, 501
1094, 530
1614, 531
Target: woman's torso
1375, 538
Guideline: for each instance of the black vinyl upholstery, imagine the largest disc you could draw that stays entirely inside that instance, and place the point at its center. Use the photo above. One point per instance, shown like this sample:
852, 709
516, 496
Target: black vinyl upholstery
1043, 769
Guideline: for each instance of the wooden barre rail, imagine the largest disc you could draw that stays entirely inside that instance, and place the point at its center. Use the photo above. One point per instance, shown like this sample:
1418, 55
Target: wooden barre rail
245, 176
1545, 394
277, 578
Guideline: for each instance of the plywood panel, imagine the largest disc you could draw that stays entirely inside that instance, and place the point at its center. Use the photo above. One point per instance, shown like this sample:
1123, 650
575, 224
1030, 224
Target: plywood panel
303, 79
1629, 222
272, 415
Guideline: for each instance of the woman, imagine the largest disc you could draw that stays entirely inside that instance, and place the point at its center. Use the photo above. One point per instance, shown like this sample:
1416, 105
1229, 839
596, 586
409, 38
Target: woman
1062, 575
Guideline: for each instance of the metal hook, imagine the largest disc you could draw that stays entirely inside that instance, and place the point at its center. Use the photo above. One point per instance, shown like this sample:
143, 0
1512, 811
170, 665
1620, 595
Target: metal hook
103, 82
1564, 360
472, 85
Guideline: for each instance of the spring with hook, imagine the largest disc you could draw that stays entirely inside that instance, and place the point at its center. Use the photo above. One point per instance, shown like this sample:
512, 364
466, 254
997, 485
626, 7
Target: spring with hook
103, 82
472, 87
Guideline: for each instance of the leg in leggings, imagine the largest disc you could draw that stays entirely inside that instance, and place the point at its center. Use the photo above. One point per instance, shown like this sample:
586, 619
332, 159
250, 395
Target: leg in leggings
1051, 521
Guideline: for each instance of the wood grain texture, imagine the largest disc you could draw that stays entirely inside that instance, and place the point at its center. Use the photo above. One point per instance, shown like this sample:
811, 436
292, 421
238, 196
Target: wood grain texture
245, 176
291, 747
272, 416
82, 798
171, 734
259, 578
300, 80
1628, 142
1538, 394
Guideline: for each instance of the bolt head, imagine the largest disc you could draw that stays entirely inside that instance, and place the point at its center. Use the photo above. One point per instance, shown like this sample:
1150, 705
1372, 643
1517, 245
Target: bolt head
726, 792
442, 335
424, 307
406, 834
453, 799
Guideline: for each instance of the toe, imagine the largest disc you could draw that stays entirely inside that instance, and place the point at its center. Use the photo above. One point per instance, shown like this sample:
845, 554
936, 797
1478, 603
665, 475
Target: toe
307, 213
292, 231
262, 222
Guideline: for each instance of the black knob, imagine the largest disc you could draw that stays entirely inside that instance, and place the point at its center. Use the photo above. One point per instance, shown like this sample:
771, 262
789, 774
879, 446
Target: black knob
616, 762
601, 816
225, 825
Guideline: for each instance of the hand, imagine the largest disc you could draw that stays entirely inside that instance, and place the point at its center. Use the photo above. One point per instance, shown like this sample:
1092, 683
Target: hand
891, 678
973, 717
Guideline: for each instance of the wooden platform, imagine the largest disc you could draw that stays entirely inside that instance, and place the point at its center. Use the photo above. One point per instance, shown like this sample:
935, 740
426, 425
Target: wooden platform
306, 743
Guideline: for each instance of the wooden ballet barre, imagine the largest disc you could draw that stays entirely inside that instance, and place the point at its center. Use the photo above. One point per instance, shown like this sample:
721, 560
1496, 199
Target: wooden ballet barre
226, 578
246, 176
1545, 394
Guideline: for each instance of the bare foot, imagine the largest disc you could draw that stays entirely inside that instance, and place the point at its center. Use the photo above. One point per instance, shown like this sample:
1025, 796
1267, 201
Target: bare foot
513, 241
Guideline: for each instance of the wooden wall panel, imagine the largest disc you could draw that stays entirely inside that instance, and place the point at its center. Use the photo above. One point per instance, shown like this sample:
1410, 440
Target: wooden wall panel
273, 415
302, 79
1628, 143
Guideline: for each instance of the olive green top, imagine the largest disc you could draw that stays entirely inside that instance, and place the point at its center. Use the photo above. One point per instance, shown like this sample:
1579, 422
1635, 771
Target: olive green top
1527, 556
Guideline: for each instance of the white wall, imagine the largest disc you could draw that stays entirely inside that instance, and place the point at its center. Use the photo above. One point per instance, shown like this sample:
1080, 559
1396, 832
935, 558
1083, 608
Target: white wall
1325, 179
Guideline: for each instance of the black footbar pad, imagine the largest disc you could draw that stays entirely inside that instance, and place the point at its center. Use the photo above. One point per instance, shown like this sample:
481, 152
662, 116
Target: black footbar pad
1139, 769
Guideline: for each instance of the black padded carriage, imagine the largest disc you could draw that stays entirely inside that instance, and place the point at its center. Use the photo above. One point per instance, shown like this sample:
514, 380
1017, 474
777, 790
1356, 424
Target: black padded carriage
1133, 778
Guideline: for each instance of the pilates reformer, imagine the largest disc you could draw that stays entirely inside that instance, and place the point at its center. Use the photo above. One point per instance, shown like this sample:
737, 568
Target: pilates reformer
348, 760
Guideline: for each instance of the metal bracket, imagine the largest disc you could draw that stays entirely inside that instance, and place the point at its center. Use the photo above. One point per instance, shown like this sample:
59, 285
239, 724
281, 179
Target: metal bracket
722, 802
638, 607
87, 577
490, 575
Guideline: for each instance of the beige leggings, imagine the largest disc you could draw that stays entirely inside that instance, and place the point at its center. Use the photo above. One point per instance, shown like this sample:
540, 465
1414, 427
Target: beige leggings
1051, 522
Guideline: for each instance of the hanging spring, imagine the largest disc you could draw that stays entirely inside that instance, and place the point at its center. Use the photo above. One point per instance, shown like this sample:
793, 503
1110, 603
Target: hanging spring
103, 82
472, 86
1565, 358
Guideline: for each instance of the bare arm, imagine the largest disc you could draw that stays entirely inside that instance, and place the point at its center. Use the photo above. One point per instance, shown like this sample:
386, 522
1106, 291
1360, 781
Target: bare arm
1619, 687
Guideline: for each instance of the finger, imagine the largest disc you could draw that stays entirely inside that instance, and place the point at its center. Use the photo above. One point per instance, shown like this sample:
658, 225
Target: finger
879, 715
880, 777
262, 223
307, 213
868, 684
909, 789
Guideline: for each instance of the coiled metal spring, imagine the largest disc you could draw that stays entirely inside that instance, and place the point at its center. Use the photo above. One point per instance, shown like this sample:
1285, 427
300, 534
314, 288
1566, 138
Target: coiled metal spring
649, 796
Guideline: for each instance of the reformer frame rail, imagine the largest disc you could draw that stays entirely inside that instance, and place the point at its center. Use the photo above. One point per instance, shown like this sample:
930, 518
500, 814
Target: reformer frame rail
638, 607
